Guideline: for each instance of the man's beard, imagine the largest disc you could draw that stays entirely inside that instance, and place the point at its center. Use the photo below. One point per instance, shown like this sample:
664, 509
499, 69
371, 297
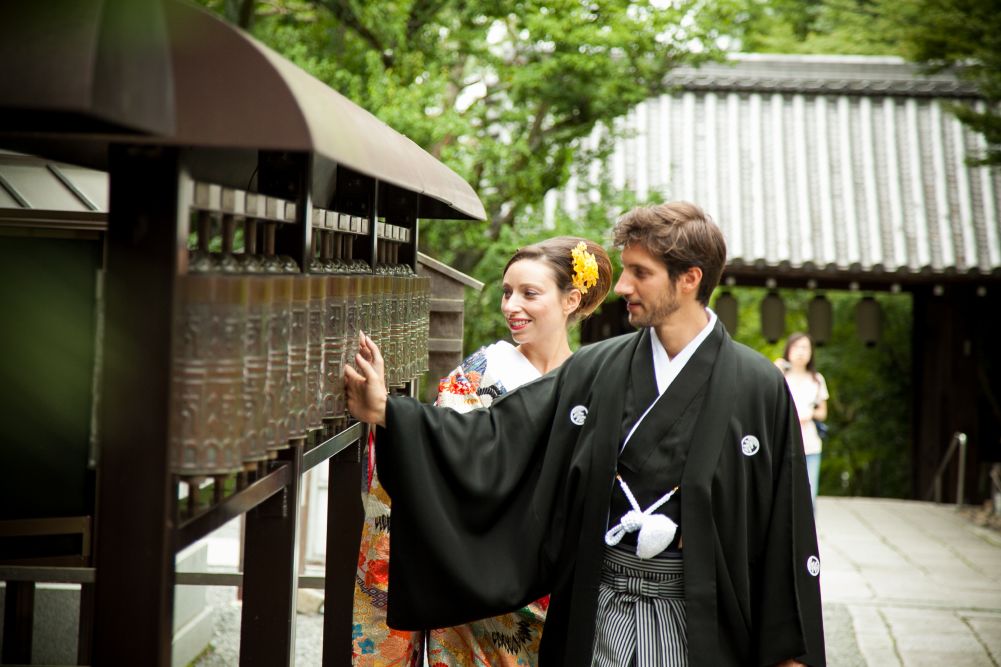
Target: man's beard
656, 316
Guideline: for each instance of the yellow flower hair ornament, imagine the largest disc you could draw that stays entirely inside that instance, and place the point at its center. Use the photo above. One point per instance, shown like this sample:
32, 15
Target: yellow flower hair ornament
585, 268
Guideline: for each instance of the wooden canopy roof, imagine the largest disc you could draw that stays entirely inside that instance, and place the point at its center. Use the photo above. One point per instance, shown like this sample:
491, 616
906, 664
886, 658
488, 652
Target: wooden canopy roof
80, 75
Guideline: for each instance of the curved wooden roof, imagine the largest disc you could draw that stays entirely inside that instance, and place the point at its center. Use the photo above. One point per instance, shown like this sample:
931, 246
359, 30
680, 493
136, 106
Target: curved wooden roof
185, 77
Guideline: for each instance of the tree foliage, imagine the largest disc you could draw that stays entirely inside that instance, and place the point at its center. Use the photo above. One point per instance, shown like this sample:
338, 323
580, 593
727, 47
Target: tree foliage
961, 35
966, 35
500, 90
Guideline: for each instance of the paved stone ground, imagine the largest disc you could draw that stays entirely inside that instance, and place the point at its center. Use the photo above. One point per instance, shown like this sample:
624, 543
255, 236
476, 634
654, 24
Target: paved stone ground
839, 633
905, 584
921, 585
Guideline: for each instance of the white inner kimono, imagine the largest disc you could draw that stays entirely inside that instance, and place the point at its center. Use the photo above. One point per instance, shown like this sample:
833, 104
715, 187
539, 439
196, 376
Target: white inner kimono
488, 373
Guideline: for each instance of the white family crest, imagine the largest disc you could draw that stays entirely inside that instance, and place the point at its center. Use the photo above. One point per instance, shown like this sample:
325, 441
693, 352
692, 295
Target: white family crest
749, 445
578, 415
813, 566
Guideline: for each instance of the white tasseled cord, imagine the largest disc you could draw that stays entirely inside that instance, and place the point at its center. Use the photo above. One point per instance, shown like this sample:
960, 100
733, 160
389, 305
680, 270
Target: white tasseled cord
656, 531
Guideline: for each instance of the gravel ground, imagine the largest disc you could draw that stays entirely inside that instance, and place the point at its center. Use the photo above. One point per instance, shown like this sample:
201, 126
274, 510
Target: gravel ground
225, 647
842, 649
983, 516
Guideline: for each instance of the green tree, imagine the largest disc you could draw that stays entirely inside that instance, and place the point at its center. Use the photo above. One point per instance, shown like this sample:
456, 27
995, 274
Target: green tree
961, 35
857, 27
500, 90
964, 35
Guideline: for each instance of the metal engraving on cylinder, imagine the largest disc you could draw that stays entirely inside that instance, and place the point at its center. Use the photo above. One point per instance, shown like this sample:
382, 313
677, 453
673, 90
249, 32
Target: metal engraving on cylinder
258, 432
277, 387
333, 348
314, 351
297, 353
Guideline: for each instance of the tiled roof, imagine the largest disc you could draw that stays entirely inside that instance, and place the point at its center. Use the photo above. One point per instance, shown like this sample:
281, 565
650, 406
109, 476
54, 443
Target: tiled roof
821, 164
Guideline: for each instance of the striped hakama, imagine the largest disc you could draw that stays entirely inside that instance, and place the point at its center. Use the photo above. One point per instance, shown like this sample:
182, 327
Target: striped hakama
641, 612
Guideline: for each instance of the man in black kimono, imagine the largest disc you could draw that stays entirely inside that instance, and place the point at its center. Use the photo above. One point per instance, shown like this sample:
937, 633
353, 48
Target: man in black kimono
674, 442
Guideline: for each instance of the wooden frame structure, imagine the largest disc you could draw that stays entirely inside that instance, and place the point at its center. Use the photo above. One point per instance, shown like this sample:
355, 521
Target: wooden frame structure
307, 150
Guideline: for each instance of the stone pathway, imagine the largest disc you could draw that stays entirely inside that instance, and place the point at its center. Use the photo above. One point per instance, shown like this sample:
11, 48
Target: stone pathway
921, 585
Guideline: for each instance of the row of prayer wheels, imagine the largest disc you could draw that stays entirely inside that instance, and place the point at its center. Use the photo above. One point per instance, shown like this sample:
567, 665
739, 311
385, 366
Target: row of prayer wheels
260, 347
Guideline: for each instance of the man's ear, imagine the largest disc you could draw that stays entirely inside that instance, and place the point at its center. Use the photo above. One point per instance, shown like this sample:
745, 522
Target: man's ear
690, 280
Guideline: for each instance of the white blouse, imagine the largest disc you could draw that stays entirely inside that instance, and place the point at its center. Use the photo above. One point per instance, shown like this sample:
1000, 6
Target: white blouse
808, 392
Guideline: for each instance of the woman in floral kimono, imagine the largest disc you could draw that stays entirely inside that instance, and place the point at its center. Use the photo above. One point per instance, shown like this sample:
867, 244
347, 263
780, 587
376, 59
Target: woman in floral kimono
548, 286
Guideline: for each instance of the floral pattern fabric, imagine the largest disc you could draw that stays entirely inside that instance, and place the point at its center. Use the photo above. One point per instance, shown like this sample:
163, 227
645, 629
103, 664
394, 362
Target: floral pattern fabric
509, 640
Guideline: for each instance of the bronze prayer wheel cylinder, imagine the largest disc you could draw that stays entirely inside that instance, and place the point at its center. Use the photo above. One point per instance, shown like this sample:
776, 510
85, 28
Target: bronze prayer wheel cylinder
297, 358
207, 376
314, 350
334, 334
258, 430
277, 402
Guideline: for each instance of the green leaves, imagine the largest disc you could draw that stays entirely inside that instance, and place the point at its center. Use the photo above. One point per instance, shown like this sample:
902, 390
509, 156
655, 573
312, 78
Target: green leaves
500, 90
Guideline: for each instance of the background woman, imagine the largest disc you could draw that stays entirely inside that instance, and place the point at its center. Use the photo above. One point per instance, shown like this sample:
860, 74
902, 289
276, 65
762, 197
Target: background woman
548, 286
809, 392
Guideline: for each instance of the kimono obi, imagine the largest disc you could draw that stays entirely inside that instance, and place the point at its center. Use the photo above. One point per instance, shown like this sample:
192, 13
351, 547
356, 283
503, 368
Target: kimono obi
661, 578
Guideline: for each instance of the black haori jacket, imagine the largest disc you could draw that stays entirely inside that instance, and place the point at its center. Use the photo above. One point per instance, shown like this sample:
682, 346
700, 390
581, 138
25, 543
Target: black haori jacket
495, 508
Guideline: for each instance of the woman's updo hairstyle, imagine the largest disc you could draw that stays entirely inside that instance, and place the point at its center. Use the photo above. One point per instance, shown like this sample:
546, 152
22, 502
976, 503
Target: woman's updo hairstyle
557, 252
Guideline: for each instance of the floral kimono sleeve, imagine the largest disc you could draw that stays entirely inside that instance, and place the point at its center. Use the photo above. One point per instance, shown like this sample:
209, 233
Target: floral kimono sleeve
461, 390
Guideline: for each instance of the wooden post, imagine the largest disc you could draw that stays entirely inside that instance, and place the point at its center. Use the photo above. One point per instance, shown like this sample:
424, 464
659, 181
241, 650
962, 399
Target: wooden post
345, 516
18, 622
146, 245
271, 575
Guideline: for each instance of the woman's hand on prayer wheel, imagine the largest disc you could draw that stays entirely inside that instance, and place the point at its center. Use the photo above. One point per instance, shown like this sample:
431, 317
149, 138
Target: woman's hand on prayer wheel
366, 386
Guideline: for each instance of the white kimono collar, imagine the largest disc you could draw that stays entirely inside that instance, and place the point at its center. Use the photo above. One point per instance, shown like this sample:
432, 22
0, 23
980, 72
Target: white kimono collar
666, 369
509, 365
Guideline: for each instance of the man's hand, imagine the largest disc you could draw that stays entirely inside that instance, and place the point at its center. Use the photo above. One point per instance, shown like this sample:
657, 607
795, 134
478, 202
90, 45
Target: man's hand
366, 387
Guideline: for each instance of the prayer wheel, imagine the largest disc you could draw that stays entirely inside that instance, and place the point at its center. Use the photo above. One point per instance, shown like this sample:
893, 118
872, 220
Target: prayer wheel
207, 377
333, 348
260, 346
258, 431
297, 358
314, 351
277, 386
352, 294
226, 404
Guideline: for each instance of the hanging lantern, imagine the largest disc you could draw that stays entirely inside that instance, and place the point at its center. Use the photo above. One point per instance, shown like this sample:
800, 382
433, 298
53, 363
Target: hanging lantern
773, 317
726, 311
868, 320
820, 318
